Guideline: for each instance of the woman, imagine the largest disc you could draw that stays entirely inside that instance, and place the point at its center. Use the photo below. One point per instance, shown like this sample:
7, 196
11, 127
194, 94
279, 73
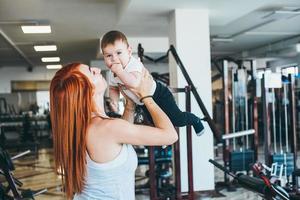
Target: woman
94, 152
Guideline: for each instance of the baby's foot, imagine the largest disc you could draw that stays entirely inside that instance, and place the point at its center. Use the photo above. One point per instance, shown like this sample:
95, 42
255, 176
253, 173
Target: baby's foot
198, 127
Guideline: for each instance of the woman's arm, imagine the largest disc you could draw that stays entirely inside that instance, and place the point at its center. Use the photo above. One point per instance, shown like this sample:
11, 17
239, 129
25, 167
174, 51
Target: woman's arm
129, 110
114, 96
162, 134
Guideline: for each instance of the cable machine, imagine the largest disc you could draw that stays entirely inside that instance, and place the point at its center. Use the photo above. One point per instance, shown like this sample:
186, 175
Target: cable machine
238, 152
279, 120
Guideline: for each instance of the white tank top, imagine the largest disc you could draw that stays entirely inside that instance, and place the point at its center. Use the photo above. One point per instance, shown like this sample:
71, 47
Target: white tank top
113, 180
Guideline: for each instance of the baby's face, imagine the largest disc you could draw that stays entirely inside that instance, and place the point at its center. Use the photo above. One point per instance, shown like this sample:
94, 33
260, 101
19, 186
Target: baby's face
118, 53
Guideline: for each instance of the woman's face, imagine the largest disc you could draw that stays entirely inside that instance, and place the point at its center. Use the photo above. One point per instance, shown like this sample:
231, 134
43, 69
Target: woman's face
95, 77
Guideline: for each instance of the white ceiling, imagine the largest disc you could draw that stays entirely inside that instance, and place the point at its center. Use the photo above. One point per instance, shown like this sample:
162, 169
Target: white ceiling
77, 25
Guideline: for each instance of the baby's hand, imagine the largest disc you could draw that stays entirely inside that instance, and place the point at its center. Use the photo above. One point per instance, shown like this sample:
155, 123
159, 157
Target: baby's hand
116, 67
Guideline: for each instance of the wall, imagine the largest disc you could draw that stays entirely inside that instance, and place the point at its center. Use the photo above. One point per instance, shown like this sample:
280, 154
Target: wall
7, 74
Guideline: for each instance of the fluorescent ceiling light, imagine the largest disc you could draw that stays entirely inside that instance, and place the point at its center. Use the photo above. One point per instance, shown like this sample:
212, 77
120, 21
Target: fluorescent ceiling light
45, 47
298, 47
50, 59
222, 39
36, 29
53, 66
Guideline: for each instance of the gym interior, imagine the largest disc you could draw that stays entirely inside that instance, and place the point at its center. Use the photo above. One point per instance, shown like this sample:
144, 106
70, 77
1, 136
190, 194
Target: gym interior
234, 63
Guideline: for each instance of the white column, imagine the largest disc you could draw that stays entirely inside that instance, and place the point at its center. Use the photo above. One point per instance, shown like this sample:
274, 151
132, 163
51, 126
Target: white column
189, 33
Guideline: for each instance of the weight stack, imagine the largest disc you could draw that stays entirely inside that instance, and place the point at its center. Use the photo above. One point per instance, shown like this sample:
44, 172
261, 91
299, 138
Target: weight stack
287, 158
241, 160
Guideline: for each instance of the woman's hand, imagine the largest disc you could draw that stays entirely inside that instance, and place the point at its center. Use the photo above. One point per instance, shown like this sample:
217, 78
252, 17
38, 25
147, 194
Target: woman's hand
129, 110
145, 86
129, 104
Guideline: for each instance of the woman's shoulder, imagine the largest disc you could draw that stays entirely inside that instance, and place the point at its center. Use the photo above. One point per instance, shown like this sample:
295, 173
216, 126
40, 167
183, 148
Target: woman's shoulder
109, 129
101, 124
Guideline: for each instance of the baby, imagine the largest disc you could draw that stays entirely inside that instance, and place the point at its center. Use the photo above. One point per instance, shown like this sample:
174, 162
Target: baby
125, 73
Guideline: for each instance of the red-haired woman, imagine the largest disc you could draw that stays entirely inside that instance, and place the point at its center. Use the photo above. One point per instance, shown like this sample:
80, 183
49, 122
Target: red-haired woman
94, 152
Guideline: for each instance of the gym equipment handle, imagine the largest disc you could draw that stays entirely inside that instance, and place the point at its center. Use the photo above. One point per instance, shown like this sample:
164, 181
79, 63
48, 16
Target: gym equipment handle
238, 134
20, 155
221, 168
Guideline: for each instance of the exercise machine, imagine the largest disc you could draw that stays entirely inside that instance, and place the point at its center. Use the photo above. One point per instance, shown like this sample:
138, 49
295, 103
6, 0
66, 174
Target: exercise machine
12, 190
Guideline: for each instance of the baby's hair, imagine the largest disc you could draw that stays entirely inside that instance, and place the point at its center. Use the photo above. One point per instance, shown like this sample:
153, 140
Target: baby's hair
112, 36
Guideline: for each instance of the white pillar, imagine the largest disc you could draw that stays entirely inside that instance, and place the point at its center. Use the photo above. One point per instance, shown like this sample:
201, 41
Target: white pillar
189, 33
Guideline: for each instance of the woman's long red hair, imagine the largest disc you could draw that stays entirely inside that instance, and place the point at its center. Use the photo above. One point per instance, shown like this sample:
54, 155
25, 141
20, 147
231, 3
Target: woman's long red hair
71, 106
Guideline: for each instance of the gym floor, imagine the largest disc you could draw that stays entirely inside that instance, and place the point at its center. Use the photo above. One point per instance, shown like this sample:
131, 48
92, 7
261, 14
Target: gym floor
36, 172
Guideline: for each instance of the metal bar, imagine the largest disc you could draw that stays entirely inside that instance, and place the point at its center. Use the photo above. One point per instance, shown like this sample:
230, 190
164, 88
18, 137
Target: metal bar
238, 134
292, 111
177, 167
20, 155
196, 95
255, 126
225, 95
226, 117
246, 109
285, 117
177, 90
152, 174
17, 182
254, 111
10, 179
233, 104
266, 123
161, 58
11, 124
40, 192
189, 144
149, 58
274, 120
279, 114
